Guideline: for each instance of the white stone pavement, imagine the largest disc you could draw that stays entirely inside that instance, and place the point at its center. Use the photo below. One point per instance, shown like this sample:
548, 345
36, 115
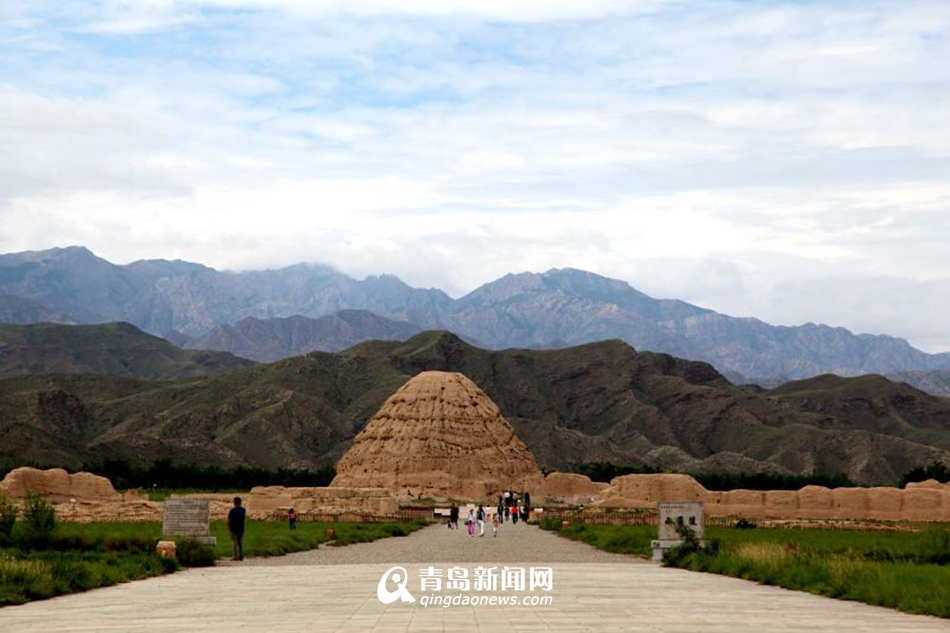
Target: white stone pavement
628, 595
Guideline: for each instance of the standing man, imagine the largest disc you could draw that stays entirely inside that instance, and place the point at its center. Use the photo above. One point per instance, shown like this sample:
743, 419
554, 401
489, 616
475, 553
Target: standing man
236, 528
480, 517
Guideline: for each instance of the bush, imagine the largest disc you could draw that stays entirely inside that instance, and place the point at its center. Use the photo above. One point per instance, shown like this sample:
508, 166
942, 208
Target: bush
39, 521
8, 517
745, 524
192, 553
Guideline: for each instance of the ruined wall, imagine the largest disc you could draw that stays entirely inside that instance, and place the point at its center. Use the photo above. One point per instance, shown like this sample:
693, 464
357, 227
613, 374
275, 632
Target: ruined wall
266, 501
925, 501
58, 486
570, 488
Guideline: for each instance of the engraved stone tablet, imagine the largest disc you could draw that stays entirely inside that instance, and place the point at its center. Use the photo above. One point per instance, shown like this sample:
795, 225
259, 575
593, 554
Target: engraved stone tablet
186, 517
690, 511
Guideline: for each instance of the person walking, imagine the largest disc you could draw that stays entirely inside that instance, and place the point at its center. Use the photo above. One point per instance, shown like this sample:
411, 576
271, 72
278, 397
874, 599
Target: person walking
454, 516
480, 517
494, 524
236, 518
514, 515
292, 518
500, 513
470, 524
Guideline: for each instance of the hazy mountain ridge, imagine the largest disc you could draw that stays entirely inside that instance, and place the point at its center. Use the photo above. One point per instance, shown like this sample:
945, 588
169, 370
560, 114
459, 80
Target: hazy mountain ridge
110, 348
274, 339
554, 309
18, 310
933, 382
601, 401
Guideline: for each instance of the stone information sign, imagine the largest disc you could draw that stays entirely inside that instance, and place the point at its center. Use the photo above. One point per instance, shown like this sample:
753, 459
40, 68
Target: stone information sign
188, 518
691, 512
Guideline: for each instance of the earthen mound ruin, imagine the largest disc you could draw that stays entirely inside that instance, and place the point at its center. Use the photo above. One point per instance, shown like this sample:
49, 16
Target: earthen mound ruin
439, 436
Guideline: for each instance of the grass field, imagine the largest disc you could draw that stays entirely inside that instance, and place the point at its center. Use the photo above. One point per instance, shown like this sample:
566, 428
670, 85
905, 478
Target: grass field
85, 556
909, 571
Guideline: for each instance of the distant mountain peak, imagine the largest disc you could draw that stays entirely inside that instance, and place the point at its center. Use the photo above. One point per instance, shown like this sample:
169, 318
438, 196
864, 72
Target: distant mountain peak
557, 308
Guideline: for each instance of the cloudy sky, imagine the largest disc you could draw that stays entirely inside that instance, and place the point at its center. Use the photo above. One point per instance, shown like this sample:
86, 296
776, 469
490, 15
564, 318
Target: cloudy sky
786, 160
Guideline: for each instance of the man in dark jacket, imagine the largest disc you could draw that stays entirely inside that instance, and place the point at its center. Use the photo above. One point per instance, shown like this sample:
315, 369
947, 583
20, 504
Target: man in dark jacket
236, 528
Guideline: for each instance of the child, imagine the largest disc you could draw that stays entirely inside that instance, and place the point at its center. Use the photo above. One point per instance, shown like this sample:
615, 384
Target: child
494, 524
292, 518
470, 524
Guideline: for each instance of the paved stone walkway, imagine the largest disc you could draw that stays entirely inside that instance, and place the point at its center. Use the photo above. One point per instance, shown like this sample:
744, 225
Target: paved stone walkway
334, 589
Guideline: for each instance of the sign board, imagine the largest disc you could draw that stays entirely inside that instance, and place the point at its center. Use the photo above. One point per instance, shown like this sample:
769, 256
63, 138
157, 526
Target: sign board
186, 517
690, 511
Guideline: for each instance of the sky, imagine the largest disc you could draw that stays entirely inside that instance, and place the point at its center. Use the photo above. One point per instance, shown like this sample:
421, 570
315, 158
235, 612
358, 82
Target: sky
783, 160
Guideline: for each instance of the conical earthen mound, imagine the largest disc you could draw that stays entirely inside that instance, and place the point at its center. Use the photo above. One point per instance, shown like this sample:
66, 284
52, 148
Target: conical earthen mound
439, 435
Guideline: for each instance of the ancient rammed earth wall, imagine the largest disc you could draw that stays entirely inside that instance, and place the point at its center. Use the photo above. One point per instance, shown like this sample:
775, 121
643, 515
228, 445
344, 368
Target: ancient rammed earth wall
269, 501
88, 497
925, 501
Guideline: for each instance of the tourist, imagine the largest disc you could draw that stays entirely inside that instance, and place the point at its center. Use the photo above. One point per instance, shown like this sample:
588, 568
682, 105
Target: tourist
480, 517
454, 516
524, 513
470, 524
507, 512
494, 524
236, 528
514, 515
500, 510
292, 518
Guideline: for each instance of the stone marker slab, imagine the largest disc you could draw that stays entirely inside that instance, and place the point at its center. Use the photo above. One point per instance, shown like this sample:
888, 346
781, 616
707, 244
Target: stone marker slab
189, 518
692, 514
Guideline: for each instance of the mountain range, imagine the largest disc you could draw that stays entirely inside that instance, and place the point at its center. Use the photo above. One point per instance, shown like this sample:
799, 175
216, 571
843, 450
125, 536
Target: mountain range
267, 340
110, 348
198, 306
597, 402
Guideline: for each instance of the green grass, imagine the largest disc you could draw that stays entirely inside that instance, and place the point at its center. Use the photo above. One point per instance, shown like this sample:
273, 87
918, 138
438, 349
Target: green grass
88, 555
620, 539
77, 559
909, 571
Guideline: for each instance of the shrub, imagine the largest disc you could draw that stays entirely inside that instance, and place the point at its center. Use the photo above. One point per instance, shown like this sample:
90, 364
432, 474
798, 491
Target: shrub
745, 524
192, 553
8, 517
690, 545
39, 521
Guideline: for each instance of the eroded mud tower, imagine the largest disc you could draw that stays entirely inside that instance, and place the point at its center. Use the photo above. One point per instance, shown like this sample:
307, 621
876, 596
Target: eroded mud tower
439, 435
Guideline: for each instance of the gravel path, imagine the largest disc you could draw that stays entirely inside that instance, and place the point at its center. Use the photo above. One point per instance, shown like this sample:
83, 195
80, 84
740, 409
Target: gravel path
438, 544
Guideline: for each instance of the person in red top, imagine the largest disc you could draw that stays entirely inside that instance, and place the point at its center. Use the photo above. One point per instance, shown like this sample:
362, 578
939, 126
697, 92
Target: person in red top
292, 518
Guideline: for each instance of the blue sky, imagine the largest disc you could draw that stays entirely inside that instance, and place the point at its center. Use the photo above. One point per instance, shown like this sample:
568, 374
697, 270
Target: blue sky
786, 160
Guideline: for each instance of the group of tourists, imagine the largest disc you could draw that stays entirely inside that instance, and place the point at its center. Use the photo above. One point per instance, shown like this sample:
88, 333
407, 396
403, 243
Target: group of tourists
510, 508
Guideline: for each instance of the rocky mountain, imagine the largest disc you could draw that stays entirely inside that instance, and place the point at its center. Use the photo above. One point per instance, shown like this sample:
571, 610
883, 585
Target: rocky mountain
111, 348
933, 382
562, 307
18, 310
597, 402
267, 340
169, 297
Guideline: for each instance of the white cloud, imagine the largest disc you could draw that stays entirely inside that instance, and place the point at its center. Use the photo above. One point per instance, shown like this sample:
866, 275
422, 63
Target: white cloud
729, 154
